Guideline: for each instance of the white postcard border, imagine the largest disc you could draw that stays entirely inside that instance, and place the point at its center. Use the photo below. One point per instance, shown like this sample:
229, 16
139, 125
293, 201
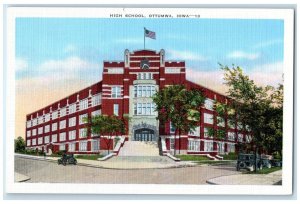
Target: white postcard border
285, 189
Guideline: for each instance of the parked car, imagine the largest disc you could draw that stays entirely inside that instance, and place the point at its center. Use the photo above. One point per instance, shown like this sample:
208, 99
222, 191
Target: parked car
67, 159
246, 161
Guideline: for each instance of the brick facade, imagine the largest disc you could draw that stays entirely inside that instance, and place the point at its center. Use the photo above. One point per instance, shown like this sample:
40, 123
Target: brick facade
126, 88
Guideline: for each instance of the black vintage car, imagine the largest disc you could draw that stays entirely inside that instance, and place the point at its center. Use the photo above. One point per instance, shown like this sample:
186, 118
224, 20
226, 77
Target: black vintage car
246, 161
67, 159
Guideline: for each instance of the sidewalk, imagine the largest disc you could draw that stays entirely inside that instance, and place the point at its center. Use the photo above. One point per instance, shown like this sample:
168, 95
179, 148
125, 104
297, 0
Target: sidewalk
248, 179
21, 177
113, 164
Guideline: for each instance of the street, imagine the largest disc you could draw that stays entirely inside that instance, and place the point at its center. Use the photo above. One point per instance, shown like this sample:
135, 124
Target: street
50, 172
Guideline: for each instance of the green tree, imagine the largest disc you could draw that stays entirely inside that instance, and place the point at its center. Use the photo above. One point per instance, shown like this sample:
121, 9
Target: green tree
179, 106
258, 109
107, 127
19, 144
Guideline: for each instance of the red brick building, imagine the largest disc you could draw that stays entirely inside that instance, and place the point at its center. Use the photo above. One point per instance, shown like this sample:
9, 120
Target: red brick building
126, 88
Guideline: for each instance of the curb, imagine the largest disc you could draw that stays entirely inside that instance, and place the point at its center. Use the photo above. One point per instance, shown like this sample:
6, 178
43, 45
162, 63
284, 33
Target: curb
103, 167
18, 177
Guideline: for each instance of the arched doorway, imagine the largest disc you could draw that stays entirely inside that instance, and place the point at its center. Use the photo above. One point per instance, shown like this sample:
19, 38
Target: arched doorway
144, 134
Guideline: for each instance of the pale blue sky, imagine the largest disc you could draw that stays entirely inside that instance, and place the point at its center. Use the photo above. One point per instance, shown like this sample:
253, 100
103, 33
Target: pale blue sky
202, 43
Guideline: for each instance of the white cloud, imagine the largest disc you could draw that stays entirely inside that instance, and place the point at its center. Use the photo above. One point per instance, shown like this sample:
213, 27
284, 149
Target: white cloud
262, 75
21, 64
59, 73
68, 64
210, 79
243, 55
186, 55
267, 74
267, 43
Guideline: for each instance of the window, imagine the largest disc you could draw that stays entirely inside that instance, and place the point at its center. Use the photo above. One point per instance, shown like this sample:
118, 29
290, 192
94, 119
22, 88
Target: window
62, 136
54, 126
231, 124
72, 108
54, 115
206, 133
248, 138
33, 141
72, 135
208, 146
54, 138
47, 117
82, 133
83, 104
96, 100
231, 147
62, 147
209, 104
71, 147
28, 143
144, 90
220, 146
40, 130
34, 122
194, 145
28, 124
28, 133
62, 124
41, 119
231, 136
95, 145
195, 132
72, 122
95, 113
145, 75
208, 118
34, 132
116, 109
47, 128
221, 121
240, 138
83, 146
172, 143
63, 112
46, 139
116, 92
83, 118
40, 140
172, 128
144, 109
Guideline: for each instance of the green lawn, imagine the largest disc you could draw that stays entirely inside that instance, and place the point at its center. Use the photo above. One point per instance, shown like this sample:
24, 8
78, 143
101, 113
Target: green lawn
230, 156
192, 158
218, 162
265, 170
89, 157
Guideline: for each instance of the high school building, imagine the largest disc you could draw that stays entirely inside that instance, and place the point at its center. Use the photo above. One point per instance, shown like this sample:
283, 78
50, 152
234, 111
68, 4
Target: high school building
126, 88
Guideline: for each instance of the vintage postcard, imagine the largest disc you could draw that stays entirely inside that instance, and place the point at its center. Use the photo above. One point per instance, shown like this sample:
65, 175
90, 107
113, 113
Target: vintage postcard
149, 100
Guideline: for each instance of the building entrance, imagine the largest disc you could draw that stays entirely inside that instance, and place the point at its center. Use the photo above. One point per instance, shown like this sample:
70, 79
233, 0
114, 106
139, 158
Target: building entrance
144, 134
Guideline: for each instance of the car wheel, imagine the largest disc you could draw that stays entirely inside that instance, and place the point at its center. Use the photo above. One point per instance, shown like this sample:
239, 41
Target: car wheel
242, 165
75, 161
251, 168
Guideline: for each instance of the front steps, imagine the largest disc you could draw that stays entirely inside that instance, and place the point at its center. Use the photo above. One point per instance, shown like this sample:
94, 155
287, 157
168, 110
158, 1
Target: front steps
139, 148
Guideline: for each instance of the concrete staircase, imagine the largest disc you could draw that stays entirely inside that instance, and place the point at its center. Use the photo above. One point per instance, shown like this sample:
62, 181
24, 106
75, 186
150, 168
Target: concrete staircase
139, 148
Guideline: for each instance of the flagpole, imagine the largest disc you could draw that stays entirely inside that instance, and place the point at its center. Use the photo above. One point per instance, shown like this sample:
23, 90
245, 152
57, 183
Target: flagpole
144, 37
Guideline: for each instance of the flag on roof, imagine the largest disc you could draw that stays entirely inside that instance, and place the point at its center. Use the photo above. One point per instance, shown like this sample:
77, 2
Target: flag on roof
150, 34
